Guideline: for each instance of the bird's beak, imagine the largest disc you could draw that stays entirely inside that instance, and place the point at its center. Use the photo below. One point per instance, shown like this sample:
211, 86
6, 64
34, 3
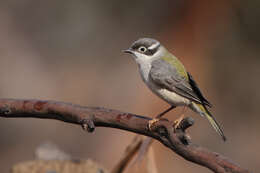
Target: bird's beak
128, 51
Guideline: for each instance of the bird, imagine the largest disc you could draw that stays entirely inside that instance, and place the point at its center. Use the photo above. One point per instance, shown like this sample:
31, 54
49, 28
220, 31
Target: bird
167, 78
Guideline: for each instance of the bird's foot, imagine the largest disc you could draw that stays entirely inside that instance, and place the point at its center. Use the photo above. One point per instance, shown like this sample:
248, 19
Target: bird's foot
151, 122
178, 121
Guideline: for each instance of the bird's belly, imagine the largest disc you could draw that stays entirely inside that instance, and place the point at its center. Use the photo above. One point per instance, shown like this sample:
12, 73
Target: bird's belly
171, 97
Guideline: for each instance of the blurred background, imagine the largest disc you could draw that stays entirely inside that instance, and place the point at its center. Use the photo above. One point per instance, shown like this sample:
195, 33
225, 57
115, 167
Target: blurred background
71, 51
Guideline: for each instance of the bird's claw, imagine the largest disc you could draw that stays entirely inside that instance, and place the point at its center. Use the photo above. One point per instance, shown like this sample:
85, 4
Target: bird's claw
151, 123
178, 121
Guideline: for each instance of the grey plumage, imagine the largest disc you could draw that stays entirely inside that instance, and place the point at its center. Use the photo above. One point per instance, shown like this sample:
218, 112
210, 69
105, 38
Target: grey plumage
166, 76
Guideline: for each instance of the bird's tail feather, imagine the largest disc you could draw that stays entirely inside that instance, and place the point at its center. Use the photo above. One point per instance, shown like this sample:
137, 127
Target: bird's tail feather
205, 112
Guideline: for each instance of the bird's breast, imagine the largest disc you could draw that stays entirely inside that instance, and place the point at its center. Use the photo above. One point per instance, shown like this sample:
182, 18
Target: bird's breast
144, 69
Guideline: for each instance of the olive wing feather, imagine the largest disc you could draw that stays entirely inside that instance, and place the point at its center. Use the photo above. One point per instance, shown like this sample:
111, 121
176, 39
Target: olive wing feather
166, 76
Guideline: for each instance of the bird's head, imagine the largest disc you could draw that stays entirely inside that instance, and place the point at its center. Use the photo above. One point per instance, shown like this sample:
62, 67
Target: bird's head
145, 49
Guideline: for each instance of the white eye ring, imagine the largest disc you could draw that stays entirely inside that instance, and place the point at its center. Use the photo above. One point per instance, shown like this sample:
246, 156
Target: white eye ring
142, 49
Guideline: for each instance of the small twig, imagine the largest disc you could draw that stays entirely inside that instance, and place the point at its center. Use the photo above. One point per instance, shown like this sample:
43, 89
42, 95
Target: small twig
128, 155
101, 117
88, 124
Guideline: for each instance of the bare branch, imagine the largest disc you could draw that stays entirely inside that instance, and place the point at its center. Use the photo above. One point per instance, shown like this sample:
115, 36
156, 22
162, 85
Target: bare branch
91, 117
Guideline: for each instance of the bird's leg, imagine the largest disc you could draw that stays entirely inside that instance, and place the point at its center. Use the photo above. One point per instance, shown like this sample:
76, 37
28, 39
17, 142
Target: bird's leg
157, 118
164, 112
178, 120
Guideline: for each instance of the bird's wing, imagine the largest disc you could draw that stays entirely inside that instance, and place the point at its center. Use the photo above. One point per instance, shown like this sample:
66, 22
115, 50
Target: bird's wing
197, 91
167, 76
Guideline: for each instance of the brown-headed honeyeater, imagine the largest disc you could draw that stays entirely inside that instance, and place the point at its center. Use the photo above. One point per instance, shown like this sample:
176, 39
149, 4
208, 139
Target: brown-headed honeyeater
166, 76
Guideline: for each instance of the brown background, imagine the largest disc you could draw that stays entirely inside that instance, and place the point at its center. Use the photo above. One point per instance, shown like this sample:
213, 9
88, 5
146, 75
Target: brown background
71, 51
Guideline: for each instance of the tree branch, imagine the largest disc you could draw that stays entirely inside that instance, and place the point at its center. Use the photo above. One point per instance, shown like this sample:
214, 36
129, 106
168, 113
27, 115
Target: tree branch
91, 117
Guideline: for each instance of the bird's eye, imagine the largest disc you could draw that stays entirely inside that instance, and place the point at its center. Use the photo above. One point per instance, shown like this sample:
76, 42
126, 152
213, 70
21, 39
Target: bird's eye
142, 49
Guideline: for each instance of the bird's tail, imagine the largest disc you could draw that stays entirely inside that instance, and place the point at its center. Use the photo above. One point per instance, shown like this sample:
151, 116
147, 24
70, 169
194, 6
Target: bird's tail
205, 112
